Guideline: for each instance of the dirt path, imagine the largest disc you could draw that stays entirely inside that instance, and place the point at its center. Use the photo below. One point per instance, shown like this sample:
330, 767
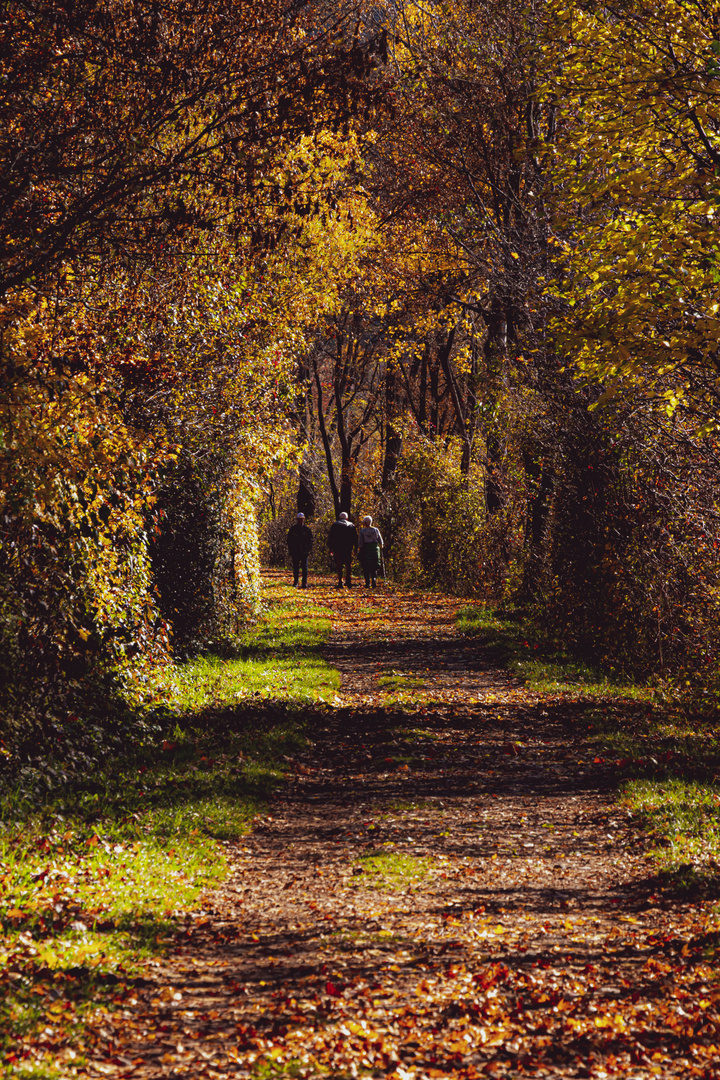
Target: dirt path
445, 887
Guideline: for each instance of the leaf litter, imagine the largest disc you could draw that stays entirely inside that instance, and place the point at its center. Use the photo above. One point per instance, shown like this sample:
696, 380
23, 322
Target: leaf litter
445, 886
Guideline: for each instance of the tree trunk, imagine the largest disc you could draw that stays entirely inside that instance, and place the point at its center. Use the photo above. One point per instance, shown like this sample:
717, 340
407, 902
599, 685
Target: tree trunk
461, 424
326, 440
493, 487
393, 438
306, 492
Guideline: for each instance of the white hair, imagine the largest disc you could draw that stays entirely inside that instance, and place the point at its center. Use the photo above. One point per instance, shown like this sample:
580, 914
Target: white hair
343, 516
367, 520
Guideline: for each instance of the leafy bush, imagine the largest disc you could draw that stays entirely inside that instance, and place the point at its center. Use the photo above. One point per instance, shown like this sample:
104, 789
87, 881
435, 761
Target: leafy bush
205, 557
443, 535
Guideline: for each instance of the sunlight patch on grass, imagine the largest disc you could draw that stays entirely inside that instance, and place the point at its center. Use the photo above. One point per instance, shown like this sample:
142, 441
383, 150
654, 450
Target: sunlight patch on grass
417, 733
29, 1071
289, 623
547, 677
391, 870
269, 1068
61, 884
81, 907
405, 806
214, 681
476, 618
660, 743
683, 818
399, 690
277, 658
396, 680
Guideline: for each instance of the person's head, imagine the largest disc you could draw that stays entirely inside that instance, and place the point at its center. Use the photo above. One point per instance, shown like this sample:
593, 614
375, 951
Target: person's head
367, 520
301, 519
343, 516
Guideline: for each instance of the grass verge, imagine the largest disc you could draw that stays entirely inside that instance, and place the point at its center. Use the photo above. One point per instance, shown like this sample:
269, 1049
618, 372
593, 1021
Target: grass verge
683, 817
95, 880
278, 659
542, 663
391, 870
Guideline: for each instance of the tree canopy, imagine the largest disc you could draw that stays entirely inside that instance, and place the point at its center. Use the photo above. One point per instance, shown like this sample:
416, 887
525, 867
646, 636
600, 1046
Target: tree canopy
454, 263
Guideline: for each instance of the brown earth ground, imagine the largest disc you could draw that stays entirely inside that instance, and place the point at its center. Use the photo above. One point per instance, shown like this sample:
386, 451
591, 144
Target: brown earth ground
446, 886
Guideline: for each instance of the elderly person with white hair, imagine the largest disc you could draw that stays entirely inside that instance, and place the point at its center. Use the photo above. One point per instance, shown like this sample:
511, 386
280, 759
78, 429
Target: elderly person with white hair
370, 544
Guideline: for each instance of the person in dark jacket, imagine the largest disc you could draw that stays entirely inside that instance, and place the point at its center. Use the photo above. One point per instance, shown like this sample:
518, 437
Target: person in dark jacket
343, 542
299, 541
369, 551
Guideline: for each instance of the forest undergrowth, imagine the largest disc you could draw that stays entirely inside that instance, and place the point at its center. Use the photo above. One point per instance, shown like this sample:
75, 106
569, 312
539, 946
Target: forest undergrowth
421, 866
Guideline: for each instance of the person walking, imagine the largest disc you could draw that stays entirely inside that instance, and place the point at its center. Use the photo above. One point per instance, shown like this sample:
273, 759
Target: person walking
370, 545
299, 542
343, 542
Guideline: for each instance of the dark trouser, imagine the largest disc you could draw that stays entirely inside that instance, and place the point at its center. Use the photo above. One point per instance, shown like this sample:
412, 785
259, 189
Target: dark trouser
370, 562
300, 562
343, 564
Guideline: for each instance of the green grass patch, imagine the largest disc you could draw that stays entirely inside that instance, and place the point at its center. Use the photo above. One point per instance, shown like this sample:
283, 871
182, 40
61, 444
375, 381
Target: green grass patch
94, 880
86, 899
276, 658
214, 681
406, 806
391, 870
359, 940
34, 1072
667, 765
398, 681
414, 734
682, 817
266, 1068
542, 663
290, 622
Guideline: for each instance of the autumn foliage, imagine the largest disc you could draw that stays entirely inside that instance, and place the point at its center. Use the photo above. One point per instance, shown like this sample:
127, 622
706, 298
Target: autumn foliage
452, 264
163, 190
